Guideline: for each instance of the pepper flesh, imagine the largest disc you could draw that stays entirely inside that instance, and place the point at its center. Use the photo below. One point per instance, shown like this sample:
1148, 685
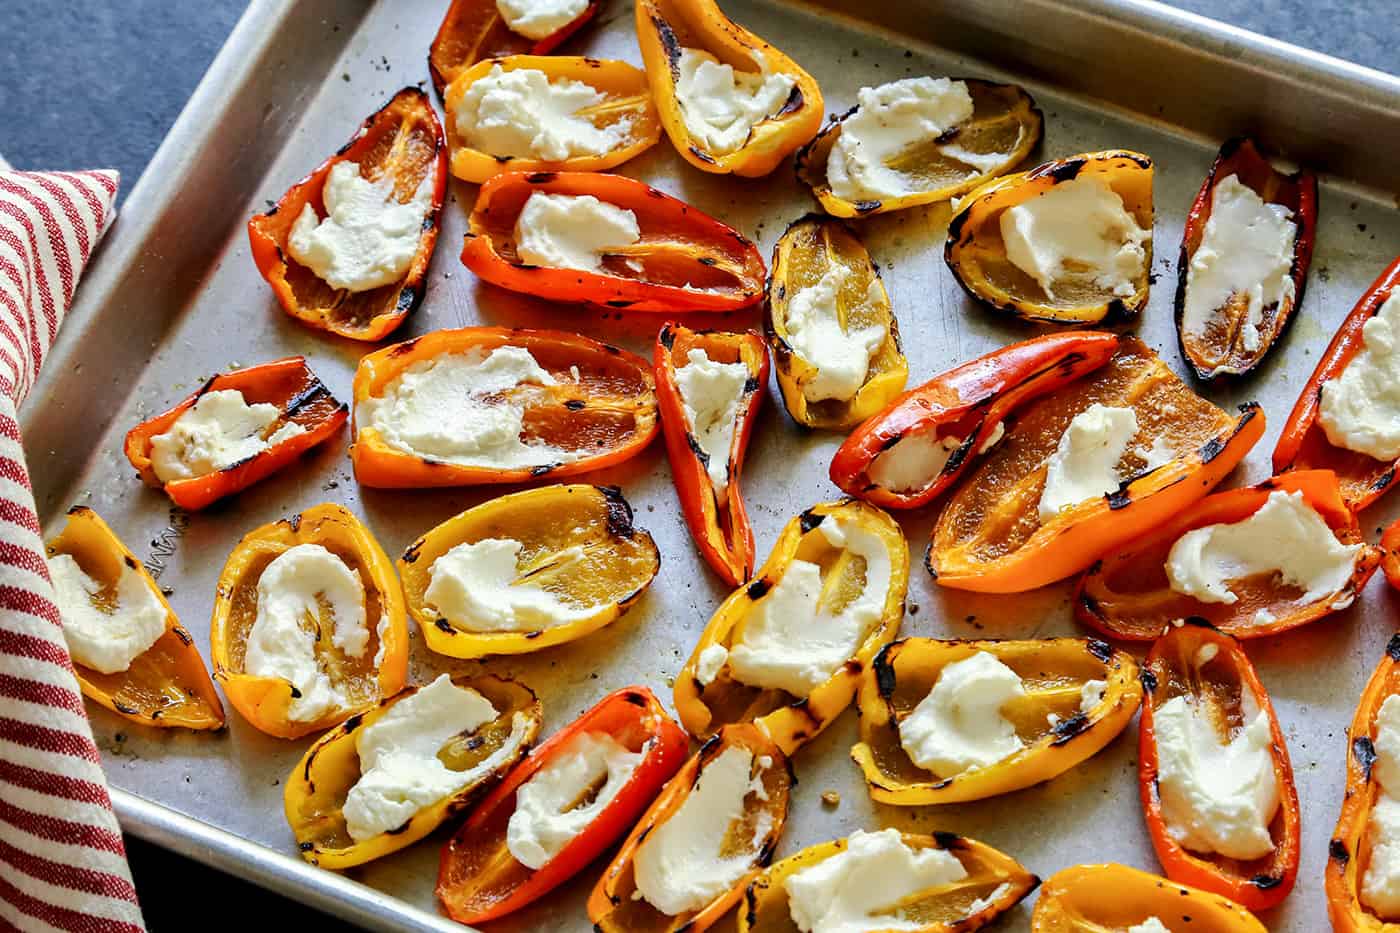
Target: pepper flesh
616, 566
792, 721
976, 254
1216, 682
969, 402
166, 685
266, 701
1303, 444
665, 27
626, 102
612, 906
480, 880
404, 141
1349, 853
989, 536
809, 249
1102, 897
474, 30
995, 883
684, 261
718, 521
609, 409
315, 791
1005, 121
1127, 594
1390, 551
1053, 672
1222, 350
287, 383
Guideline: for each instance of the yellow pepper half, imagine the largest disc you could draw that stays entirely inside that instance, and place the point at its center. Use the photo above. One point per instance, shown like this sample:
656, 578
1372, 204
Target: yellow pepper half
809, 249
265, 701
626, 103
578, 544
1005, 122
1088, 898
667, 27
977, 256
1055, 732
167, 684
995, 883
317, 788
790, 720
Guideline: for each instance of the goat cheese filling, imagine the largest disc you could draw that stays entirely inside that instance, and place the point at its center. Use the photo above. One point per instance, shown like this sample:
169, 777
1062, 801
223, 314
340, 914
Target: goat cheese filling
480, 586
959, 726
1380, 885
711, 393
524, 114
564, 231
839, 353
1150, 925
539, 19
105, 634
918, 459
1284, 537
710, 662
721, 106
219, 430
1084, 465
1360, 409
368, 238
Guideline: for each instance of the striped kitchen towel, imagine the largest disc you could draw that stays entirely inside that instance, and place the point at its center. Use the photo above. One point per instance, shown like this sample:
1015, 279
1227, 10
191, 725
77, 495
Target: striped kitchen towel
62, 863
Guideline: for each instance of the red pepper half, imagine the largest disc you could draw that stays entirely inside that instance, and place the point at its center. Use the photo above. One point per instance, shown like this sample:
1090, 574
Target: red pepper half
1222, 349
474, 30
404, 141
684, 261
968, 404
480, 880
290, 385
1127, 594
1303, 444
717, 519
1211, 670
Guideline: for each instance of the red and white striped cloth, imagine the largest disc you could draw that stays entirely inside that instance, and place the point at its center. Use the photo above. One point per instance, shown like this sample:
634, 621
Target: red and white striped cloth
62, 862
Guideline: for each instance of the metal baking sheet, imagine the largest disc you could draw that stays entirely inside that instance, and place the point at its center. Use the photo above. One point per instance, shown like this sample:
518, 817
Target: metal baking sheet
174, 297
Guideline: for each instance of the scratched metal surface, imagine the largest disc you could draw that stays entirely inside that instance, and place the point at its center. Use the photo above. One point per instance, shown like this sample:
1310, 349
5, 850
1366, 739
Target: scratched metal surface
176, 298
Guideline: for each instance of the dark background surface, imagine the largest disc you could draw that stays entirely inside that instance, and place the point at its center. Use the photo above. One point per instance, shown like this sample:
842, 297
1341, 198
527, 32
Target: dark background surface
97, 83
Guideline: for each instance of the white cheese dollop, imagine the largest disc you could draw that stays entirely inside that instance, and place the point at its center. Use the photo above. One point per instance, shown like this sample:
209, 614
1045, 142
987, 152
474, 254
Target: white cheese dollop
1150, 925
1360, 409
1380, 885
539, 19
841, 356
282, 642
1084, 465
710, 663
367, 238
680, 866
1216, 796
888, 120
959, 726
464, 408
525, 115
105, 641
721, 106
917, 460
790, 641
217, 431
563, 231
400, 771
859, 889
1076, 231
1285, 536
474, 587
712, 393
550, 809
1091, 695
1245, 249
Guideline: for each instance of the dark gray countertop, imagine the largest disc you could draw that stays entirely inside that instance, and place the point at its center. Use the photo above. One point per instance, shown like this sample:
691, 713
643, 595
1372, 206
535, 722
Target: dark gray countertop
97, 83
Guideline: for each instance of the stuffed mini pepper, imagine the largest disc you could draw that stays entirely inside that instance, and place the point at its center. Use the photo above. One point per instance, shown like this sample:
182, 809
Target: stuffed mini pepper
1116, 897
475, 30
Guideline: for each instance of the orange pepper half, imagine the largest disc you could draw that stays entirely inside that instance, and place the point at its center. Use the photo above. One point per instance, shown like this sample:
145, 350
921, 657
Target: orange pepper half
600, 412
967, 404
266, 701
1113, 897
684, 261
290, 385
1390, 551
1211, 670
167, 684
1303, 444
404, 141
480, 880
989, 536
1127, 594
1223, 348
475, 29
717, 519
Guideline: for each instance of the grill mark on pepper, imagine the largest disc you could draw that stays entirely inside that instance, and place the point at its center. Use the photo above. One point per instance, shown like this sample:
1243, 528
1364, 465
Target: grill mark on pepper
405, 347
1265, 882
314, 391
619, 303
575, 404
445, 626
667, 337
1100, 649
541, 178
1364, 752
1067, 729
408, 297
1337, 850
1120, 498
1212, 449
700, 154
758, 589
947, 840
544, 469
809, 520
669, 44
884, 670
1148, 679
1061, 171
866, 207
619, 512
1384, 480
183, 635
1392, 647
